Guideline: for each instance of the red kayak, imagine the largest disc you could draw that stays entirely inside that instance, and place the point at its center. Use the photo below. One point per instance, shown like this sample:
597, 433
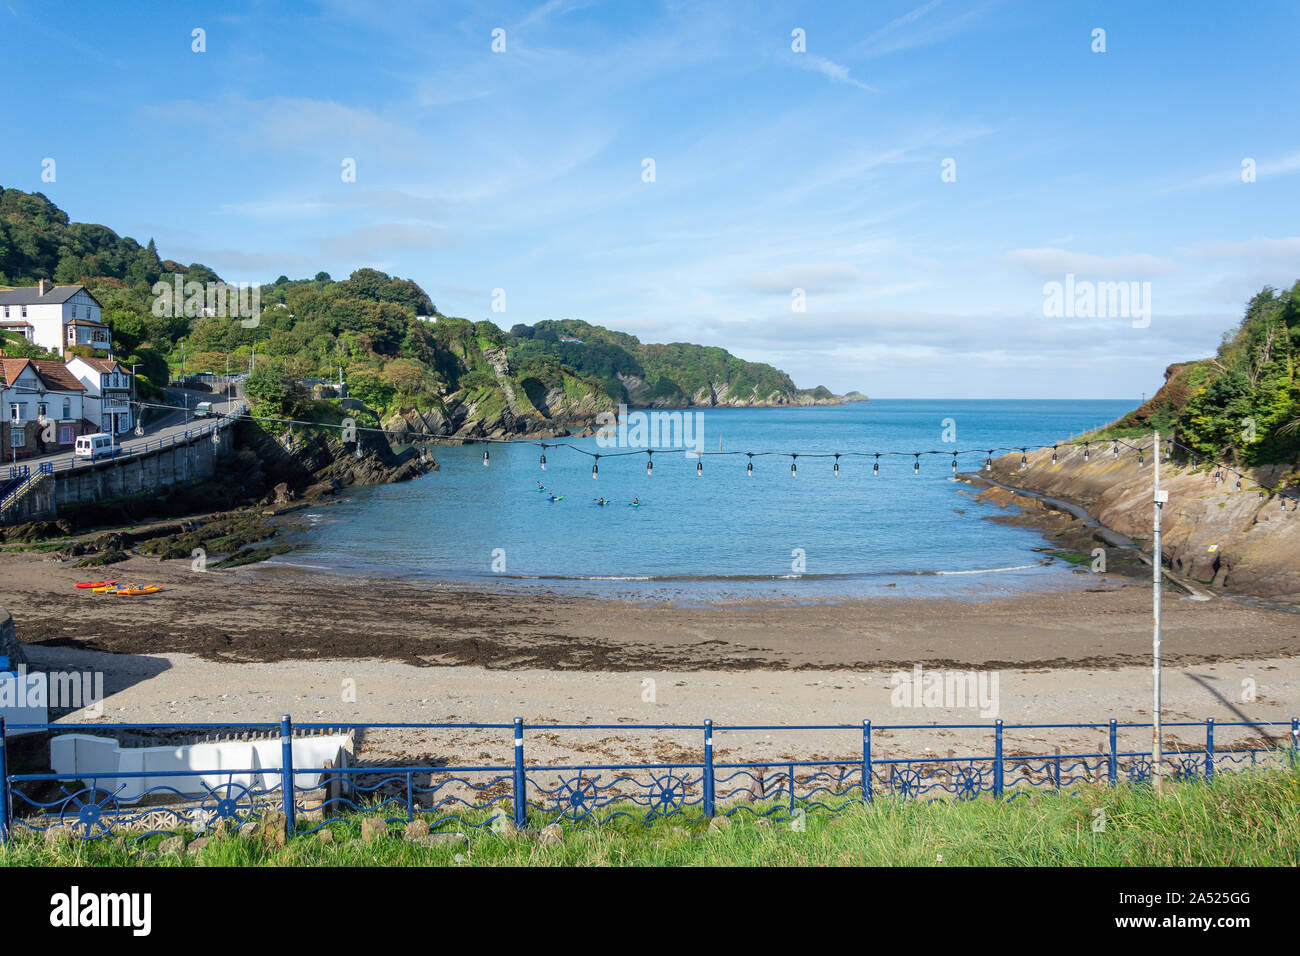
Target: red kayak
94, 584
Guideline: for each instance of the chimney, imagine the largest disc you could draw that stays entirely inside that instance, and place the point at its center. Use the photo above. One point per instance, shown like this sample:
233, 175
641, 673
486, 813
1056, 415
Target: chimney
45, 285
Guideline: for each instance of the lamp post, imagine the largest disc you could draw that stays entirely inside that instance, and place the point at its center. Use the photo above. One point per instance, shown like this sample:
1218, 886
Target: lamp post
1158, 498
134, 404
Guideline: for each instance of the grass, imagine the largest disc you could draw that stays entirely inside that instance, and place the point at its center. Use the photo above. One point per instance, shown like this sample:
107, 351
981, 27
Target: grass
1240, 819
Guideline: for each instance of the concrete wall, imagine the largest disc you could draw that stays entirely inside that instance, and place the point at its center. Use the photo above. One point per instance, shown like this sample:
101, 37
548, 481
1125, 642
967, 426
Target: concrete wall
118, 478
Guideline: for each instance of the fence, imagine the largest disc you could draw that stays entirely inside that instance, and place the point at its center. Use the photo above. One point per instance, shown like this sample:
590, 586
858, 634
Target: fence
90, 806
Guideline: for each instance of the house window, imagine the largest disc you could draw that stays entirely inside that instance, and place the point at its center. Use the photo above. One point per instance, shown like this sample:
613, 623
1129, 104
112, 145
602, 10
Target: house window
67, 435
16, 412
17, 436
67, 408
6, 311
74, 311
72, 333
24, 312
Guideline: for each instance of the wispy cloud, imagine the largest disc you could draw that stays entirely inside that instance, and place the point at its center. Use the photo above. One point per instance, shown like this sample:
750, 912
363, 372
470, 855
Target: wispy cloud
924, 25
1058, 262
828, 68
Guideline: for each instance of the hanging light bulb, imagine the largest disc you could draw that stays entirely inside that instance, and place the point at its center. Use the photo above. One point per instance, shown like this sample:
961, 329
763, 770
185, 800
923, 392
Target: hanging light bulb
699, 468
485, 459
1139, 458
1239, 484
954, 463
749, 471
359, 452
988, 464
916, 465
543, 461
1086, 452
794, 469
595, 469
837, 466
1114, 449
1024, 460
649, 464
875, 469
1053, 454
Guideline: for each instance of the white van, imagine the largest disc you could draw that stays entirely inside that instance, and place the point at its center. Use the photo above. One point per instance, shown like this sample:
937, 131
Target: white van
203, 410
98, 445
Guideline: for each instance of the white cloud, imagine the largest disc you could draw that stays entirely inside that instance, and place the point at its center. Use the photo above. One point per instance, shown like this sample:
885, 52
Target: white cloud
828, 68
1057, 262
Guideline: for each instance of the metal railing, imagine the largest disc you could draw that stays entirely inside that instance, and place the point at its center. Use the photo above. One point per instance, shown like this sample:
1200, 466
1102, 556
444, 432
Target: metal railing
19, 476
90, 805
144, 447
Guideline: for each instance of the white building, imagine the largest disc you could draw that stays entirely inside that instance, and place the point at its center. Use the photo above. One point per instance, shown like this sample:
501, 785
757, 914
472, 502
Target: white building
107, 401
55, 317
41, 402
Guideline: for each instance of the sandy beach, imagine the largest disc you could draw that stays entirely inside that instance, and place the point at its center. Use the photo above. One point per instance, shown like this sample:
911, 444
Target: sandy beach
256, 642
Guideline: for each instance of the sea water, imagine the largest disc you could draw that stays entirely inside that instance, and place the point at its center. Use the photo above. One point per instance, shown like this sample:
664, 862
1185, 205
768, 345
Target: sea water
720, 534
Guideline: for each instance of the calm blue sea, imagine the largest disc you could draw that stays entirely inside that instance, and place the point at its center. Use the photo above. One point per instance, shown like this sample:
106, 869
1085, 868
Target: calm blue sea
724, 534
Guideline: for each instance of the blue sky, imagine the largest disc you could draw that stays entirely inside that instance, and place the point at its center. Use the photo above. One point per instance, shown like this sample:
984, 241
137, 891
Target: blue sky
775, 170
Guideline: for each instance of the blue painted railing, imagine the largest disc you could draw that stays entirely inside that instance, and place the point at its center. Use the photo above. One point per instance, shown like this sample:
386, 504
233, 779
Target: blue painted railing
537, 795
16, 481
135, 448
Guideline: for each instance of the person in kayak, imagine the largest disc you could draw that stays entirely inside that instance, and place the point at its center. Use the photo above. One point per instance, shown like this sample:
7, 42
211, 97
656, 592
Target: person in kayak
540, 486
601, 501
555, 497
636, 502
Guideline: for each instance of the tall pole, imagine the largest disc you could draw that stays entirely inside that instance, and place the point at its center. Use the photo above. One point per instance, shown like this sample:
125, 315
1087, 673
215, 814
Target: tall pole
1157, 567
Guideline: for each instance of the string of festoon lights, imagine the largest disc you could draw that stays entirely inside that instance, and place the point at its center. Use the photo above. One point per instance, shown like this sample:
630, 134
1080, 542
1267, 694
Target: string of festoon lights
1102, 448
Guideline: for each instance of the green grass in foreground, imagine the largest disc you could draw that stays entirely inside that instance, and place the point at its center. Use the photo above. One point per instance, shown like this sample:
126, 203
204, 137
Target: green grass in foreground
1240, 819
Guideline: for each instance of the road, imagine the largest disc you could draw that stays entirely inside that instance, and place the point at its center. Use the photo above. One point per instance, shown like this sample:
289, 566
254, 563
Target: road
162, 424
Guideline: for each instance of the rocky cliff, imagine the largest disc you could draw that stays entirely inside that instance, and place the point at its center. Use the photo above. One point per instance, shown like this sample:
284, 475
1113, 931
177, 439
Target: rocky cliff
1211, 532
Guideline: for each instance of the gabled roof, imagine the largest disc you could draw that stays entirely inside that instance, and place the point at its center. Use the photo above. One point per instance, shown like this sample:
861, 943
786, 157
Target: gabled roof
56, 375
31, 295
11, 368
93, 325
100, 364
53, 374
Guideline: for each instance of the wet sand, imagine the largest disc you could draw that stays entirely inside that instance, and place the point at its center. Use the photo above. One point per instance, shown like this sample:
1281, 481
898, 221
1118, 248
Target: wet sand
267, 614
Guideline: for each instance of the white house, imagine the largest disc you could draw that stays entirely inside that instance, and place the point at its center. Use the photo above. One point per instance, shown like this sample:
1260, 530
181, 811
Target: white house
107, 401
41, 402
58, 316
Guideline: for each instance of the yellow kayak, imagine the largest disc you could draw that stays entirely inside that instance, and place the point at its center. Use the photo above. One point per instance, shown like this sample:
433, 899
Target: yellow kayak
147, 589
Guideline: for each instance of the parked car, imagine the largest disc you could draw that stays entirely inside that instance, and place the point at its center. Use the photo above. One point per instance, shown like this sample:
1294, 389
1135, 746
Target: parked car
98, 445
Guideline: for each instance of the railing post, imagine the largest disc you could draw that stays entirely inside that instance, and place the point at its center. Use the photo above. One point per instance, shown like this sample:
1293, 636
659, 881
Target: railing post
1295, 739
4, 786
708, 768
866, 762
997, 759
1209, 749
286, 772
1113, 768
521, 783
